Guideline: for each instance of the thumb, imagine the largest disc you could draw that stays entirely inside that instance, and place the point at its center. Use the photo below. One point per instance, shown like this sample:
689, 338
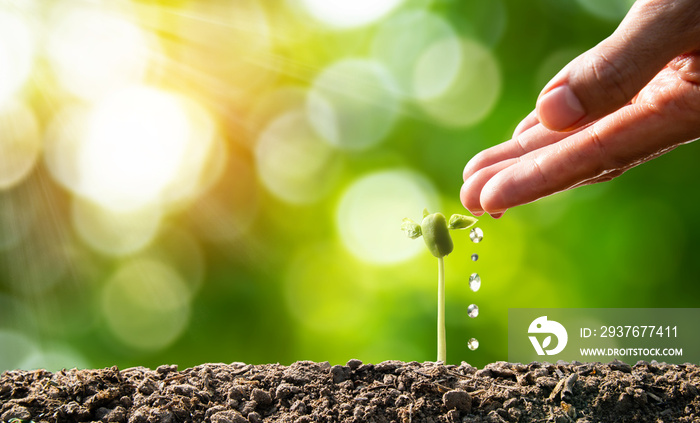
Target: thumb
609, 75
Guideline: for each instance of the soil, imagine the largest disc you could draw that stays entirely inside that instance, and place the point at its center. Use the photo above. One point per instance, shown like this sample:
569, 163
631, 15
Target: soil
391, 391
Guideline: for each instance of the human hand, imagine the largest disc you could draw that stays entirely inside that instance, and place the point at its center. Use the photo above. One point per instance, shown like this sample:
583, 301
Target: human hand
631, 98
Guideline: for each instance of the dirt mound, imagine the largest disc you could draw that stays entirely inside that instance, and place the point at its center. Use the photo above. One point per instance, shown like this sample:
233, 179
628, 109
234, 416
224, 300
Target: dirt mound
391, 391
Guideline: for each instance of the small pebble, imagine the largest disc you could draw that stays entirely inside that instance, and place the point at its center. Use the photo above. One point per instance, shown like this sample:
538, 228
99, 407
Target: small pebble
457, 400
354, 363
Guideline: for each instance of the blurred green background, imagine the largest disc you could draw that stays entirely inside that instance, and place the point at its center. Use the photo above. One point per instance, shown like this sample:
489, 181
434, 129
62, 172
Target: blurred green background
188, 182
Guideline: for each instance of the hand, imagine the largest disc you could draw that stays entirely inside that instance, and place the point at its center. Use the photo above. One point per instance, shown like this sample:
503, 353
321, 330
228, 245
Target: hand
631, 98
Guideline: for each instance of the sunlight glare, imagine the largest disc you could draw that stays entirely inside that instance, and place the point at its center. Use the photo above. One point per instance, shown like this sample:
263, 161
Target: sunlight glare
135, 145
96, 51
17, 48
20, 143
348, 14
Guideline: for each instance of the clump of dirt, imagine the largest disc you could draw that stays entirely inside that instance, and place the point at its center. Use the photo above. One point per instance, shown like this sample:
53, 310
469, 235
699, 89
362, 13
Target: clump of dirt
391, 391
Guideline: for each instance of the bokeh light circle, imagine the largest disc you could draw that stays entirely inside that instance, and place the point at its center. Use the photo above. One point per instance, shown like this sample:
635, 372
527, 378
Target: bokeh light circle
182, 250
112, 232
203, 160
146, 304
552, 64
142, 146
275, 103
54, 359
63, 139
20, 143
293, 162
135, 143
353, 104
96, 50
17, 49
14, 348
347, 14
473, 92
400, 41
370, 211
437, 68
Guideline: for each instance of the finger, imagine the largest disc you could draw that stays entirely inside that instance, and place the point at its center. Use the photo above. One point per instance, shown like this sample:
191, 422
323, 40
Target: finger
608, 76
532, 139
527, 123
612, 145
470, 194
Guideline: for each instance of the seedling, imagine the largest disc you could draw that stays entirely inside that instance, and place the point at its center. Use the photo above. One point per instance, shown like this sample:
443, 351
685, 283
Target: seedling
435, 231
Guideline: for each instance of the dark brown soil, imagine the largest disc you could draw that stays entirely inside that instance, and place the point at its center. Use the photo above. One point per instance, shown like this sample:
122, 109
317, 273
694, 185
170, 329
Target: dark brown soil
391, 391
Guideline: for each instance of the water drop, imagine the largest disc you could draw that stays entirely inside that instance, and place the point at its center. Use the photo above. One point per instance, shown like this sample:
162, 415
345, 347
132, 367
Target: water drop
475, 257
474, 282
473, 344
473, 310
476, 235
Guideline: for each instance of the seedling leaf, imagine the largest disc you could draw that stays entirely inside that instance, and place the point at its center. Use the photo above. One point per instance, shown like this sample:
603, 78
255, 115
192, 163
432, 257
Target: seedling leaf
460, 221
436, 236
411, 228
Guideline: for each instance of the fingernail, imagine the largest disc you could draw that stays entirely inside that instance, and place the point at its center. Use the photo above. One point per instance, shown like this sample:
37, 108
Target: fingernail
497, 215
559, 109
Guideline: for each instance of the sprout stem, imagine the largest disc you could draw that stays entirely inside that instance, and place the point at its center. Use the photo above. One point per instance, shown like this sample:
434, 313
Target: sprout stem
441, 341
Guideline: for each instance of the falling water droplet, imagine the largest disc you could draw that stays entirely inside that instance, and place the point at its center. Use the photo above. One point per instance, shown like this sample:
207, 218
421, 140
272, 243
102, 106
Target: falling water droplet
473, 310
474, 282
476, 235
475, 257
473, 344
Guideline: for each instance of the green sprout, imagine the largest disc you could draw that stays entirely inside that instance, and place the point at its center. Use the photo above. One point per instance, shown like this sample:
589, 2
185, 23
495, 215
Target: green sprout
435, 231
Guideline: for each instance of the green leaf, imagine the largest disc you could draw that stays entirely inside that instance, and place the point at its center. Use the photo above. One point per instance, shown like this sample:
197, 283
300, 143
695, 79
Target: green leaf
460, 221
425, 213
411, 228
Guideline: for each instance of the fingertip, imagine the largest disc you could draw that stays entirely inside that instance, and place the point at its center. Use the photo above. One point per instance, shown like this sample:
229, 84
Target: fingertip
473, 165
497, 215
559, 109
494, 196
470, 198
472, 192
527, 123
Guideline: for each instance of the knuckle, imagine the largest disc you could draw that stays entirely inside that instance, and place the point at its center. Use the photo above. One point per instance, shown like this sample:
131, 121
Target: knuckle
610, 79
